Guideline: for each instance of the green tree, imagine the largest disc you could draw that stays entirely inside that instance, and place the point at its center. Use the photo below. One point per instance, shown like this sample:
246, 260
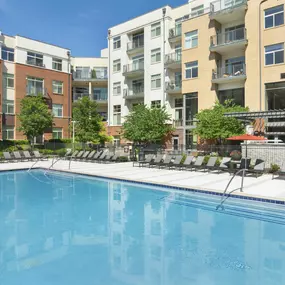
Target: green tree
147, 125
34, 117
89, 126
213, 125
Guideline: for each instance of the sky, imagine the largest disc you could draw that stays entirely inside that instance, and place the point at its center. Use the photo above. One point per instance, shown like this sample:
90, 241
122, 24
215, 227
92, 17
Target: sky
80, 25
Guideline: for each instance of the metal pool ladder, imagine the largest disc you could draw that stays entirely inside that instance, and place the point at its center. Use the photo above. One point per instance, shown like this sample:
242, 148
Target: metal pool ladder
224, 197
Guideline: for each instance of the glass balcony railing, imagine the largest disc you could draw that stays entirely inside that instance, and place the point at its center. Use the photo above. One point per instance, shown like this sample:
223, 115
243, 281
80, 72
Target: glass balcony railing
137, 66
134, 91
174, 57
221, 5
101, 74
228, 37
135, 44
100, 97
77, 96
230, 71
178, 123
35, 62
174, 86
175, 32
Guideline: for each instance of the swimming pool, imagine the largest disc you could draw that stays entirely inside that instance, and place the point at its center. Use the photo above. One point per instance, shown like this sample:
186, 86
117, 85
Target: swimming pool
68, 229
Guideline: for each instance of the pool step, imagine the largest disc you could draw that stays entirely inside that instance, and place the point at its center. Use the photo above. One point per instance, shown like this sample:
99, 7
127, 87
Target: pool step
233, 206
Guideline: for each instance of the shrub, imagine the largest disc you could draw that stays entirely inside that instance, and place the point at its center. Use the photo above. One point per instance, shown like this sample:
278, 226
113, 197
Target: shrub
123, 159
184, 156
235, 155
61, 152
60, 141
46, 151
206, 159
274, 168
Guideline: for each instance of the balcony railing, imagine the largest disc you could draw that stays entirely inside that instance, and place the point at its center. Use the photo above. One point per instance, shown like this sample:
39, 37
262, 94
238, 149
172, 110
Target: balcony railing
92, 74
100, 97
228, 37
230, 71
133, 67
32, 91
173, 86
174, 57
221, 5
77, 96
35, 62
135, 44
134, 91
178, 123
175, 32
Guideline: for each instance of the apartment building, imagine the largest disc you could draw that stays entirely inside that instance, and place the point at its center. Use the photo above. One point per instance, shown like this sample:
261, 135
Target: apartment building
90, 78
234, 50
27, 68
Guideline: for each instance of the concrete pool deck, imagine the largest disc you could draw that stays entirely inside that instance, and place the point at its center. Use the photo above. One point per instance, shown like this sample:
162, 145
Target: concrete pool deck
261, 187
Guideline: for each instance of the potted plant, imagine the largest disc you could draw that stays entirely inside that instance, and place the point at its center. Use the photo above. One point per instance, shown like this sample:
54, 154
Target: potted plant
236, 155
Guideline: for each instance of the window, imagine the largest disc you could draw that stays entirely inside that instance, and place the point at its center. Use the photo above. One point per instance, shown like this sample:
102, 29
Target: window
274, 17
156, 81
100, 94
191, 39
117, 42
100, 72
138, 62
191, 69
117, 65
237, 95
178, 105
57, 133
155, 227
155, 30
35, 86
117, 216
155, 104
35, 59
155, 55
57, 110
8, 80
57, 87
57, 64
196, 11
117, 88
7, 53
274, 54
8, 133
8, 107
117, 114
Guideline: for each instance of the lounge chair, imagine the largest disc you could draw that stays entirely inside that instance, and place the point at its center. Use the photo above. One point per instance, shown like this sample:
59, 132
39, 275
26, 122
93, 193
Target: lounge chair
176, 162
114, 158
224, 165
280, 172
96, 156
258, 168
244, 164
17, 156
39, 156
106, 159
101, 157
90, 155
79, 155
8, 157
67, 155
27, 155
156, 161
141, 163
85, 155
198, 164
166, 162
211, 164
73, 155
187, 163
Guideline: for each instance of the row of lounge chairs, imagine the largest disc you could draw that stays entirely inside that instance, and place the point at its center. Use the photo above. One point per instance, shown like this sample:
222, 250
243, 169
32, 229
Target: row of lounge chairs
195, 164
93, 156
16, 156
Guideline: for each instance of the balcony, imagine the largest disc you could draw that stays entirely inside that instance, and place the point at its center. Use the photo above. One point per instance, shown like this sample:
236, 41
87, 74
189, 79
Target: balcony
229, 42
178, 123
78, 96
173, 60
35, 62
91, 75
133, 70
134, 92
100, 98
136, 46
227, 11
232, 73
174, 87
36, 91
175, 34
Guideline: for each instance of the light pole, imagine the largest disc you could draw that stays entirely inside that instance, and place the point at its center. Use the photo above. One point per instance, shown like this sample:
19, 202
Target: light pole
73, 134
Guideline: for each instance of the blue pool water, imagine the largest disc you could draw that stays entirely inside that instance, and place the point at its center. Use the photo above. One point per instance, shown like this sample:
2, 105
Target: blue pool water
70, 230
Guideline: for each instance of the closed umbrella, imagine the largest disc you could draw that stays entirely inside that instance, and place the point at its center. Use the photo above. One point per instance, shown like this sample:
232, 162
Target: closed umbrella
246, 137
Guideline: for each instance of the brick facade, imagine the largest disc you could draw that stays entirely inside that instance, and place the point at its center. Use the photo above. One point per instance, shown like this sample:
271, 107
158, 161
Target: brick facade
21, 74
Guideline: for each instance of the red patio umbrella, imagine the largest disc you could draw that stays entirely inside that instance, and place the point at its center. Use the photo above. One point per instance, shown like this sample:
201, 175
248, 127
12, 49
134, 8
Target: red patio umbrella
246, 137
